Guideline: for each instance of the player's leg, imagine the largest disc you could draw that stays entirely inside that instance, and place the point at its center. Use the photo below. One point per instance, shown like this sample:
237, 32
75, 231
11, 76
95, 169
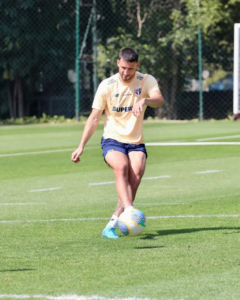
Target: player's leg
137, 164
119, 209
128, 170
119, 162
136, 168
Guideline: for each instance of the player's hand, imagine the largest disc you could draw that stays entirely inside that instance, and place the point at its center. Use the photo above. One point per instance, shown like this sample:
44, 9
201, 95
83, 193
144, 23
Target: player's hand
76, 155
138, 107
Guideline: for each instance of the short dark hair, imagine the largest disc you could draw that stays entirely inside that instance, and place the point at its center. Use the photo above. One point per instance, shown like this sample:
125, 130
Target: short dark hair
128, 54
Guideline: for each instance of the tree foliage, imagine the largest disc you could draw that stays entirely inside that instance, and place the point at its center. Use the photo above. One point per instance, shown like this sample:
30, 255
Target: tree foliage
38, 43
166, 35
36, 37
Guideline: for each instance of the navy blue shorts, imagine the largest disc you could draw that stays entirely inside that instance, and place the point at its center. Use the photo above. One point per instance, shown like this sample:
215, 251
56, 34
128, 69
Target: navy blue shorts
113, 145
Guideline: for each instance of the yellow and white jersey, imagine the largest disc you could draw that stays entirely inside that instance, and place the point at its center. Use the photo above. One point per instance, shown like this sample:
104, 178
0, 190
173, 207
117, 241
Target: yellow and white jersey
117, 99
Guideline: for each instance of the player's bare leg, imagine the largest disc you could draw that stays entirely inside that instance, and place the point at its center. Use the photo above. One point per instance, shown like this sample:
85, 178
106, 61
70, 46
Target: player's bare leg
119, 162
137, 164
136, 168
119, 209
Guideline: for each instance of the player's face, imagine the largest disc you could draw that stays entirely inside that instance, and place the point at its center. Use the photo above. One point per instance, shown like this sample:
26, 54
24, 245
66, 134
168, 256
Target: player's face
127, 69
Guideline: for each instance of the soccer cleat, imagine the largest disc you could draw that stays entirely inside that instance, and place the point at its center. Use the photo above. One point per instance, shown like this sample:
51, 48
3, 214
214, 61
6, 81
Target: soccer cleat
109, 232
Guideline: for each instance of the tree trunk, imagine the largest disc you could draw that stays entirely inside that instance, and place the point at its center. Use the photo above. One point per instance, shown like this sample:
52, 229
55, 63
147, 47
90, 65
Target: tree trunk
169, 91
15, 100
172, 113
161, 112
10, 100
20, 97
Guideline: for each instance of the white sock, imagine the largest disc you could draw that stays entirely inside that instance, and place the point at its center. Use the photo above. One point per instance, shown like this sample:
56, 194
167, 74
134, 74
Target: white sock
128, 207
113, 221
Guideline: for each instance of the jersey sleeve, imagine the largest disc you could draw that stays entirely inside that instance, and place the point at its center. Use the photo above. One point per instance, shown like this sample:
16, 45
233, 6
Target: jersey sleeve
100, 99
151, 84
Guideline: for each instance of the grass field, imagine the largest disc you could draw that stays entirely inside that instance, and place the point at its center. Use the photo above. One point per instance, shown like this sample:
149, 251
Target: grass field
52, 213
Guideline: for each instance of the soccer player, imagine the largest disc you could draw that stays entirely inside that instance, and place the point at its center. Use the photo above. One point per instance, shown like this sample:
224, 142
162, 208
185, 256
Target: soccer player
124, 97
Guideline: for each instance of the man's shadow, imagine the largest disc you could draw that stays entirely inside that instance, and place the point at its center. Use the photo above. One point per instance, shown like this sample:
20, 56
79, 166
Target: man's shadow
17, 270
152, 236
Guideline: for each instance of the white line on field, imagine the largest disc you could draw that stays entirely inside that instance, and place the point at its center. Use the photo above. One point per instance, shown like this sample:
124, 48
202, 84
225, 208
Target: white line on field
97, 219
219, 138
53, 220
193, 144
157, 177
207, 171
66, 297
42, 152
149, 204
102, 183
22, 203
194, 216
144, 178
147, 144
44, 190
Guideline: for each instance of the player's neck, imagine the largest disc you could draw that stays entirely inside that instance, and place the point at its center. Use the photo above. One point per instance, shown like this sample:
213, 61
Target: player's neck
125, 82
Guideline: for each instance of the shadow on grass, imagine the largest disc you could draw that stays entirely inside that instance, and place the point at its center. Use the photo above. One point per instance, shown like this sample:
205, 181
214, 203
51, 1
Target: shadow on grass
17, 270
158, 233
149, 247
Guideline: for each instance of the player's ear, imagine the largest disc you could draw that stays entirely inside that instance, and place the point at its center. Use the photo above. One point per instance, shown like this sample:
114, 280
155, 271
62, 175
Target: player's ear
138, 64
118, 61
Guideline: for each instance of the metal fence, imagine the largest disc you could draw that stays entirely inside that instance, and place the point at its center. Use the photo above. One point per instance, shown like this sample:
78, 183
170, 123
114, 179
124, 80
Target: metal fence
55, 53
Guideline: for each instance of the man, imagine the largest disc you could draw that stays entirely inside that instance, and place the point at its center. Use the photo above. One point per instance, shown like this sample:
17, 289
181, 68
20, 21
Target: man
124, 97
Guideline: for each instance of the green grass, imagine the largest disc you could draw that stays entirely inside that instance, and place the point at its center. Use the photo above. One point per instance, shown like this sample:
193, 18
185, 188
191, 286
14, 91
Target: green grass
49, 246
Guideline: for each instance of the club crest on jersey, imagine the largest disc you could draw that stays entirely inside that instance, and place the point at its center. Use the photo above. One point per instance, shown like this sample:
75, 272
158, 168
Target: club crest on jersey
138, 91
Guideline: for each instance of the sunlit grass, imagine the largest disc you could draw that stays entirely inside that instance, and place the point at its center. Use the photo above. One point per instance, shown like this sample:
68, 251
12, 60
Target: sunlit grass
49, 245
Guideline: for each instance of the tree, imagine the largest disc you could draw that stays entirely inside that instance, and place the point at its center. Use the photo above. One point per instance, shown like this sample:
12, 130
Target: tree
165, 34
38, 43
37, 37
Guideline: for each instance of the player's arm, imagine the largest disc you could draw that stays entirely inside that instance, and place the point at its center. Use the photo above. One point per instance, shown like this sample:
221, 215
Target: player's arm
89, 129
155, 100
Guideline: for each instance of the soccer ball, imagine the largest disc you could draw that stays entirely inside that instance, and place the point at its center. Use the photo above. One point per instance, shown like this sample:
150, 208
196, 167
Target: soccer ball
132, 222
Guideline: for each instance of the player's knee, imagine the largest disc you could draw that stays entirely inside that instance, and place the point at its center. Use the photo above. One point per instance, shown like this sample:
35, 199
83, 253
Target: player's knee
121, 169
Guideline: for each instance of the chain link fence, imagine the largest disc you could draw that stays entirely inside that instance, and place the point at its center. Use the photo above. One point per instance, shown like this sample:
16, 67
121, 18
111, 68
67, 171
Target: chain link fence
39, 57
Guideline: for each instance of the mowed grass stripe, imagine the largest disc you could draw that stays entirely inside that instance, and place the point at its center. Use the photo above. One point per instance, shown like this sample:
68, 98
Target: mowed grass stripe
219, 138
147, 144
23, 203
66, 297
43, 152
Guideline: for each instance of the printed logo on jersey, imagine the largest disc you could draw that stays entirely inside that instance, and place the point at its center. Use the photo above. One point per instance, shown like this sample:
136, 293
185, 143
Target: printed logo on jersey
122, 109
124, 95
138, 91
111, 81
140, 77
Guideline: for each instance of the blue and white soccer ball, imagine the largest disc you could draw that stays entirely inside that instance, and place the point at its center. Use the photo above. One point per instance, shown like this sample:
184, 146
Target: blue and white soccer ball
132, 222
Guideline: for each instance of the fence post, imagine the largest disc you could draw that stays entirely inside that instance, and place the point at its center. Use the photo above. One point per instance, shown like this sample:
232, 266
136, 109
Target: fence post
200, 67
77, 92
94, 33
